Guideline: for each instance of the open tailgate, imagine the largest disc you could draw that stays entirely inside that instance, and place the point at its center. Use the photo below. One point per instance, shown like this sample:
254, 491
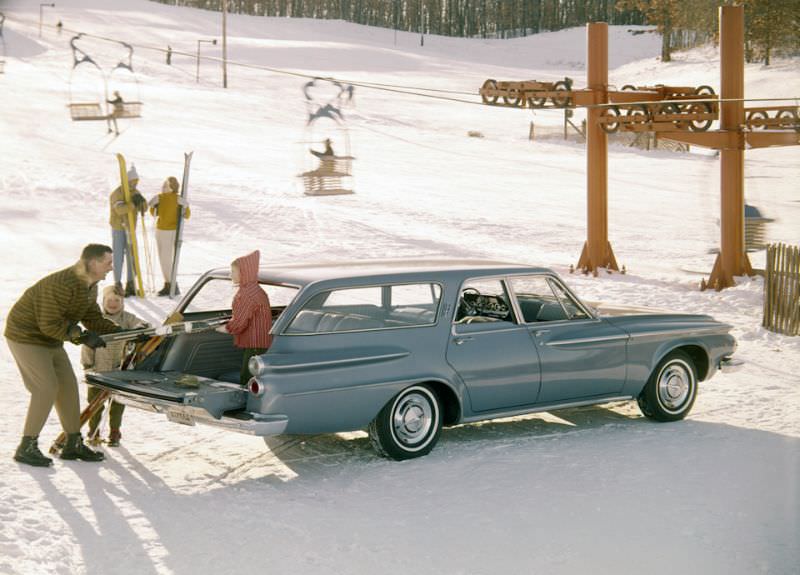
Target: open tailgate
172, 390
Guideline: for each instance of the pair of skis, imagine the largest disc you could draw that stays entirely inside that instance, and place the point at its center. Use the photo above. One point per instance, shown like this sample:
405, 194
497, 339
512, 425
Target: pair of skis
133, 245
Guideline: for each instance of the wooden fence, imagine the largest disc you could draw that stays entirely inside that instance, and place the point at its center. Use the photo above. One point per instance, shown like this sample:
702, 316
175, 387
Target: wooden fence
782, 289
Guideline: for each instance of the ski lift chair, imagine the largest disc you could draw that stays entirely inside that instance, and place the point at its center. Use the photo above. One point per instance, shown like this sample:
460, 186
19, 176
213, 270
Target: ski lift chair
131, 110
330, 178
86, 112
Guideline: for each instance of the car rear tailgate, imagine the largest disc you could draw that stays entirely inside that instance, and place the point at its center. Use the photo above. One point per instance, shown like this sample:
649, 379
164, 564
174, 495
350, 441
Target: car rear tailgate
173, 389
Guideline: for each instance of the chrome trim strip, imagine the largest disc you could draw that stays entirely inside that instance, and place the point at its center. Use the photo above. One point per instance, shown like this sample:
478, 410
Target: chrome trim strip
546, 407
587, 340
683, 331
454, 333
730, 364
259, 425
386, 328
332, 362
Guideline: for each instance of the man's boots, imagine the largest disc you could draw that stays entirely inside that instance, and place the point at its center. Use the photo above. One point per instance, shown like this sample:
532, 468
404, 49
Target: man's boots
129, 289
75, 449
28, 452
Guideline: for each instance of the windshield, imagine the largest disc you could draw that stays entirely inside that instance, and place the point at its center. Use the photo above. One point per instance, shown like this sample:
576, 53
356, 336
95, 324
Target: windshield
217, 294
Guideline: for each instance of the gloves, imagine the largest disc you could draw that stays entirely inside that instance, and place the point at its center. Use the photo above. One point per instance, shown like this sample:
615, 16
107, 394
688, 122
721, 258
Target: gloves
73, 332
139, 202
90, 339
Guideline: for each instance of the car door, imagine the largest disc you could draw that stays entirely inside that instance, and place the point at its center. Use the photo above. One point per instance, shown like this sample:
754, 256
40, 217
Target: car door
491, 352
581, 356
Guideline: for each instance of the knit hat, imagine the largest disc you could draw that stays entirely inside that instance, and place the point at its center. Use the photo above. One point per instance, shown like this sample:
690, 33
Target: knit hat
132, 173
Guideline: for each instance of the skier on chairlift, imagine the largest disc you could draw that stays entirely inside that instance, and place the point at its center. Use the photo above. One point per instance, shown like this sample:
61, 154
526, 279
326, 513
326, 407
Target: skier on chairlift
117, 110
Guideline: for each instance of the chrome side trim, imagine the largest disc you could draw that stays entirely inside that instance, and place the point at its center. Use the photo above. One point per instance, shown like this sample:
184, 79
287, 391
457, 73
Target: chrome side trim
683, 331
587, 340
257, 424
544, 407
335, 362
730, 365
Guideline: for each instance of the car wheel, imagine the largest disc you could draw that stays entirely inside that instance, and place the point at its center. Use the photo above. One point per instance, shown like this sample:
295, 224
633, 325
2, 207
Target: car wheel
409, 425
671, 390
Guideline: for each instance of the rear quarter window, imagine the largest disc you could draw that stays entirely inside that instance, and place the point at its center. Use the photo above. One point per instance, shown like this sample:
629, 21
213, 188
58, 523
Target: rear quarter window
368, 308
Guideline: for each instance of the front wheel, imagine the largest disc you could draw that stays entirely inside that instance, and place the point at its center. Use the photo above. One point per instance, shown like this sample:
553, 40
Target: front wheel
409, 425
671, 390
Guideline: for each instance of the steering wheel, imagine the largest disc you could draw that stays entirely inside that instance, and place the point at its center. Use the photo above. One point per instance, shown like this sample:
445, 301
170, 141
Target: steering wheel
470, 298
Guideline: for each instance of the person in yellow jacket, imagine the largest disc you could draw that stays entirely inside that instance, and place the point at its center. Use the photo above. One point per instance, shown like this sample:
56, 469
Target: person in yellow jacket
118, 220
165, 207
109, 358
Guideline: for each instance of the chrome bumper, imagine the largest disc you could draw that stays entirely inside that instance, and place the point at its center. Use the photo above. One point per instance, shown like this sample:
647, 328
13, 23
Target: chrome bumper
730, 364
253, 424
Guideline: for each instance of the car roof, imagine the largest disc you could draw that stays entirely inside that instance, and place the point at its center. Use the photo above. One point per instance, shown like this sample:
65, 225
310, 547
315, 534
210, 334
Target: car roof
301, 274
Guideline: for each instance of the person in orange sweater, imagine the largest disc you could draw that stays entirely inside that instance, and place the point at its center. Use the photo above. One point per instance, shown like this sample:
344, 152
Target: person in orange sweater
251, 318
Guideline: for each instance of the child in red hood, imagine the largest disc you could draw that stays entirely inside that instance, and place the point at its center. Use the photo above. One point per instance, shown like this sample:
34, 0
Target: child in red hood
252, 315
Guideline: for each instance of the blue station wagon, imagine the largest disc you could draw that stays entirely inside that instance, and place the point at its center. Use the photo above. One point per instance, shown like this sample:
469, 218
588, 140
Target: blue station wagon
403, 347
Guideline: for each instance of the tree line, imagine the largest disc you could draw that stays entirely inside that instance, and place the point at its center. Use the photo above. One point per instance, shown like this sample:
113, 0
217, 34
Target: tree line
772, 27
461, 18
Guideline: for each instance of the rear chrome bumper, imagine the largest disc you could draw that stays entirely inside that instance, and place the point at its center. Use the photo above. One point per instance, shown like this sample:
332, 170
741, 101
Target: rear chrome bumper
248, 423
730, 364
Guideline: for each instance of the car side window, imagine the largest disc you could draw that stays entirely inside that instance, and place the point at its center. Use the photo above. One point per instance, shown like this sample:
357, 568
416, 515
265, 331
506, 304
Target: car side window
216, 294
483, 301
541, 299
368, 308
571, 307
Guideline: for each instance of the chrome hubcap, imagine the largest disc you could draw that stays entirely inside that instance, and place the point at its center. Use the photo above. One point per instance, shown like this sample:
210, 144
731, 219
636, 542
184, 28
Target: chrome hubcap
675, 385
413, 418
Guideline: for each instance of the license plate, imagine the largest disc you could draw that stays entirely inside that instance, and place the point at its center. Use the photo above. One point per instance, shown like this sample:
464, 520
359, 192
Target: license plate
180, 417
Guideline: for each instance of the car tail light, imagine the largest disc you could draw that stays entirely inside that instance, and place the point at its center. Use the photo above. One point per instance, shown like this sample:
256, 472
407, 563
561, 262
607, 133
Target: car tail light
255, 387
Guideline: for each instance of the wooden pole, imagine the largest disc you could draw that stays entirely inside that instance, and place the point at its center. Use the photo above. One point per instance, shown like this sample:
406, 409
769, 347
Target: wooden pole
597, 250
224, 43
732, 259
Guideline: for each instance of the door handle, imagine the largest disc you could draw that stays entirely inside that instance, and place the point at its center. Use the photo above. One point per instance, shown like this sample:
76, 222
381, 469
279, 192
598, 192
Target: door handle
461, 340
541, 332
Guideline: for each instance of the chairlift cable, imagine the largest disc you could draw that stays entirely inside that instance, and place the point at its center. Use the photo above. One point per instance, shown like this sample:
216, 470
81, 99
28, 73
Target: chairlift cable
407, 90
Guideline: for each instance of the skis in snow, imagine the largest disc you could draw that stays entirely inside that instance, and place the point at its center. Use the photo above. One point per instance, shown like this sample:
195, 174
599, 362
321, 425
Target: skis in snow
173, 276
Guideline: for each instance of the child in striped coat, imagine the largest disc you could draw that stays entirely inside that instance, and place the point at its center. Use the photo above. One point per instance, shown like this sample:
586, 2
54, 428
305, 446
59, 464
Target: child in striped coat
252, 316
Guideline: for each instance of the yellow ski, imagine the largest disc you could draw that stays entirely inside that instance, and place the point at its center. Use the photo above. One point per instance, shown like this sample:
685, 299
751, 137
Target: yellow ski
132, 244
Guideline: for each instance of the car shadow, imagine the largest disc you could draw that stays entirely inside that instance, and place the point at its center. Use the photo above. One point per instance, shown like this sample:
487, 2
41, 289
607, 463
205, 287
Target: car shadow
574, 482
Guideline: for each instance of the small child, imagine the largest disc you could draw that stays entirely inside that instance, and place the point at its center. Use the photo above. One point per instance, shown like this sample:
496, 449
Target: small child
251, 314
109, 358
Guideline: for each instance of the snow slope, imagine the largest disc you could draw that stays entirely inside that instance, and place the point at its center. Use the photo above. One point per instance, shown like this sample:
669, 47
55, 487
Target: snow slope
597, 490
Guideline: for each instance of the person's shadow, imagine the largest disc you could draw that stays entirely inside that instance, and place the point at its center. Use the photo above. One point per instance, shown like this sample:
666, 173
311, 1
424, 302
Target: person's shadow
201, 503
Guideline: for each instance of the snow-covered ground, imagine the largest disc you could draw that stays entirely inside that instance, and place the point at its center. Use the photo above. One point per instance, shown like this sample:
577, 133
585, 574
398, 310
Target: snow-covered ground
596, 490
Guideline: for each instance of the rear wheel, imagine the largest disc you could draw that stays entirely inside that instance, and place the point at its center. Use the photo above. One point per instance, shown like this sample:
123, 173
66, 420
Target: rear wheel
409, 425
671, 390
